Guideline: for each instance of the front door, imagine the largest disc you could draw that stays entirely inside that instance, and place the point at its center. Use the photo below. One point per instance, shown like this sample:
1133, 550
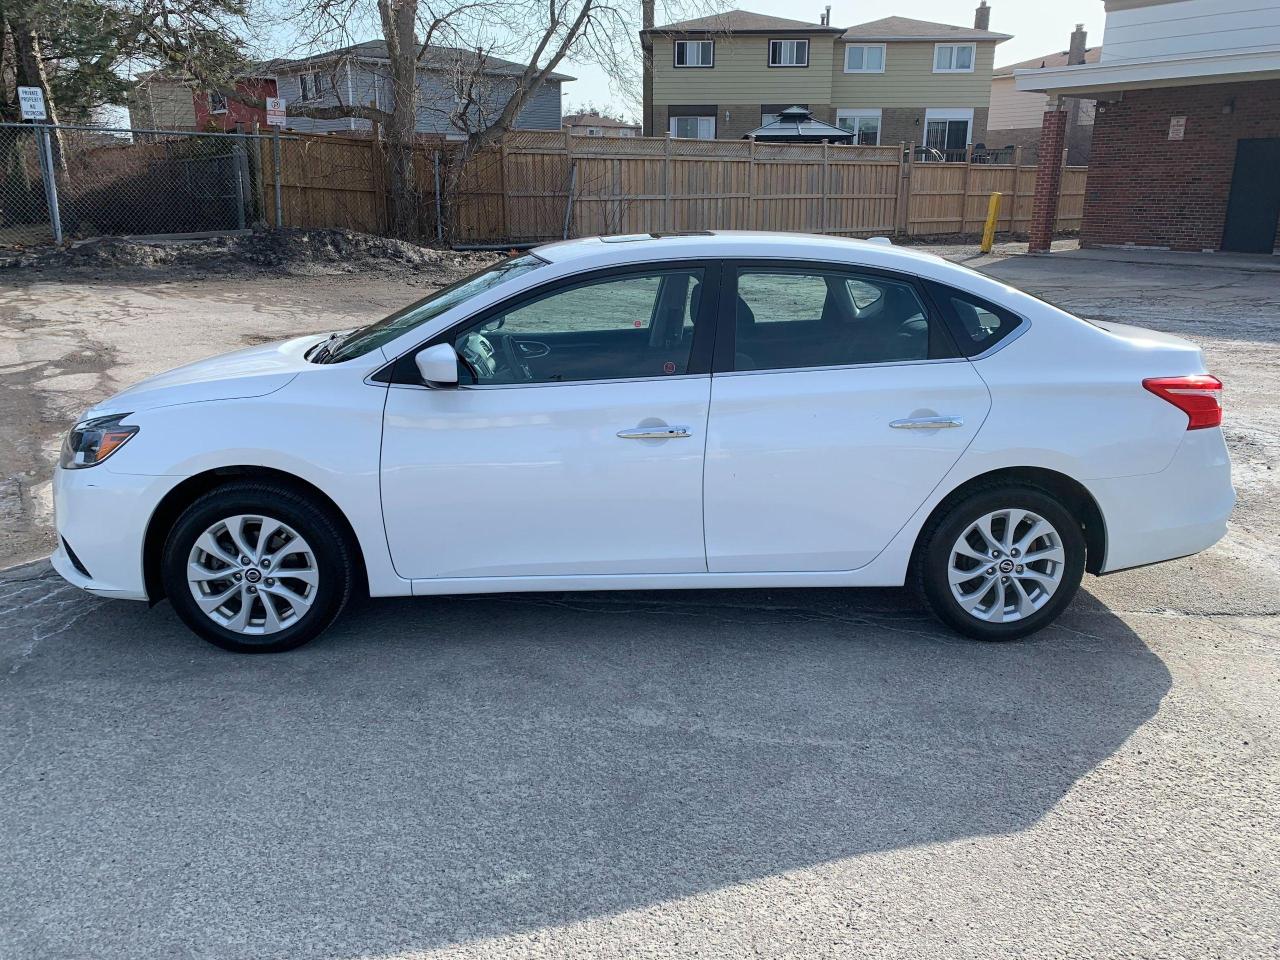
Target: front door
838, 419
573, 444
1254, 207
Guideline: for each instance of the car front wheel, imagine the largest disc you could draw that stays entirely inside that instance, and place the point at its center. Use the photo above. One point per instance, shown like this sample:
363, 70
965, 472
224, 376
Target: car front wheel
1002, 562
256, 568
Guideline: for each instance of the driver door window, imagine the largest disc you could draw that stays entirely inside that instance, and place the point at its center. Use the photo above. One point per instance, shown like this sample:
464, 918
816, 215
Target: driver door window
622, 327
790, 319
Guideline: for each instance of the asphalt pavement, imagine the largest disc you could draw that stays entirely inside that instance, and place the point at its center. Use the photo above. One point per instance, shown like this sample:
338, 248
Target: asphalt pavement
779, 773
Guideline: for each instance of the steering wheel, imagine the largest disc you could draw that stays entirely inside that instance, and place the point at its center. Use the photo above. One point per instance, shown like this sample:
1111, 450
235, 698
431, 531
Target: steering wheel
514, 364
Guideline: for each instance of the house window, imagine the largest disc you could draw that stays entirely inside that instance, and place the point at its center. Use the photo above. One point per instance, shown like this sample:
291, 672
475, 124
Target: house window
954, 57
310, 84
864, 58
217, 102
693, 128
863, 124
695, 53
949, 132
788, 53
593, 131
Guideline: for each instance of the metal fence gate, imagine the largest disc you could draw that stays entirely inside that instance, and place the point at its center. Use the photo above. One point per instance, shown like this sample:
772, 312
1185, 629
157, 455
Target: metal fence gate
68, 182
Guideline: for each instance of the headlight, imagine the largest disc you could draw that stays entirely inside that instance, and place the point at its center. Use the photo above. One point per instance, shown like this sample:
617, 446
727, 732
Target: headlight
92, 441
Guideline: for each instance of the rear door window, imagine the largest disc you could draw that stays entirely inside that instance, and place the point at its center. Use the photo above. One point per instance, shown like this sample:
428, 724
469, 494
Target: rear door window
788, 318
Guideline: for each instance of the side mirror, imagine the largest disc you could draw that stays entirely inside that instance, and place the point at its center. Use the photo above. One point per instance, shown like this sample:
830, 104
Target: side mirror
438, 365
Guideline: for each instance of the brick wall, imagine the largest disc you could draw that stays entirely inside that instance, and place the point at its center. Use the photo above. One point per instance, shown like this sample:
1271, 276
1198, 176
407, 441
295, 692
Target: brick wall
1044, 204
1147, 190
897, 124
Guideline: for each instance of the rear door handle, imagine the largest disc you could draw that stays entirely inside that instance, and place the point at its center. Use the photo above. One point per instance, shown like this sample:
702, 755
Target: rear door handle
654, 433
926, 423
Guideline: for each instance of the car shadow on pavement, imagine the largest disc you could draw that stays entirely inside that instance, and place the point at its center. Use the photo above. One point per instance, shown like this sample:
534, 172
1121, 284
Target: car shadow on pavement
432, 772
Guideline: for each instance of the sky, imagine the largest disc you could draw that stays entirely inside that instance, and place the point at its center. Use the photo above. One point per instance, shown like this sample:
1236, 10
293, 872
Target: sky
1038, 27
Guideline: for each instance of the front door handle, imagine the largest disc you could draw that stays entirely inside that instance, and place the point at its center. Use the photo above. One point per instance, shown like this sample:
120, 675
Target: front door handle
926, 423
654, 433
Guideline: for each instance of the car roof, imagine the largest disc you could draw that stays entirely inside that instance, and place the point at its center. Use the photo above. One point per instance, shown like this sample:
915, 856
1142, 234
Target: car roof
644, 247
569, 257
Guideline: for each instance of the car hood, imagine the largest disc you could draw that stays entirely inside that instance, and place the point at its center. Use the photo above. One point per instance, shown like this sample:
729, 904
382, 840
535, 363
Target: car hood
252, 372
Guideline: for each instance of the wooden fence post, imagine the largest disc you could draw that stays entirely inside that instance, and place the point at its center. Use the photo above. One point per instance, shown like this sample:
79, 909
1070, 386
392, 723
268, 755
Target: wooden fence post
902, 206
380, 217
1017, 176
666, 184
571, 183
826, 186
968, 188
753, 213
505, 232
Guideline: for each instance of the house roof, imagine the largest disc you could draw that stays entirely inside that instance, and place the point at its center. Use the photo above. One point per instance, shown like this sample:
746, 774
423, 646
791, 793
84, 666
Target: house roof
904, 28
1091, 55
743, 21
595, 120
436, 58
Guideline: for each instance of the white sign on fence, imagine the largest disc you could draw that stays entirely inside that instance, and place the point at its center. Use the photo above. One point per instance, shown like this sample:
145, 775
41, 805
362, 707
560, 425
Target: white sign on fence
31, 102
275, 111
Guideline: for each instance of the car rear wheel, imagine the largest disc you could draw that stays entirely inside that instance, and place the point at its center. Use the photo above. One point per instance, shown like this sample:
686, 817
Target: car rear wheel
256, 568
1001, 563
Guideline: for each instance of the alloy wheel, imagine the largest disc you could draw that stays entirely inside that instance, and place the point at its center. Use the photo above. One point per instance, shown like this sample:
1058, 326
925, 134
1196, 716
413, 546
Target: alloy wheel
253, 574
1006, 565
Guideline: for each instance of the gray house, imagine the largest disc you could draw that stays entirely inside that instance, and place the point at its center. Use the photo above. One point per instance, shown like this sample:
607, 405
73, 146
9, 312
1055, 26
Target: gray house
360, 74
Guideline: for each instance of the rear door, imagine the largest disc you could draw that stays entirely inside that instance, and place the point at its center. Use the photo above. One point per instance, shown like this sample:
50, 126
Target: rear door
838, 404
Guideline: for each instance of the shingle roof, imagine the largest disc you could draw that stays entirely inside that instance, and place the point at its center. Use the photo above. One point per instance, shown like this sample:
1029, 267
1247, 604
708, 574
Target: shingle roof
438, 58
904, 28
594, 120
742, 21
1091, 55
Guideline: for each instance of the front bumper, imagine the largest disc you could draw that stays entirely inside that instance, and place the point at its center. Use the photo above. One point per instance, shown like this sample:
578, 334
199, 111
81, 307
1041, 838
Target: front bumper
1179, 511
103, 517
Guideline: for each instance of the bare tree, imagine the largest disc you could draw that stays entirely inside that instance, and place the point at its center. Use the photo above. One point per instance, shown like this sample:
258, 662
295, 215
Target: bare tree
486, 59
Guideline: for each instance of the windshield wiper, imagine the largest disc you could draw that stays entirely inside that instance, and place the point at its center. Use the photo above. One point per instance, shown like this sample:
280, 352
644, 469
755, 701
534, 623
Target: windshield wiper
325, 350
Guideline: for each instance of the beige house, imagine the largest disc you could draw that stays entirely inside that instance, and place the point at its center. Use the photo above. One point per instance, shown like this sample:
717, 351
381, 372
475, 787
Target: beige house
1016, 114
161, 101
891, 80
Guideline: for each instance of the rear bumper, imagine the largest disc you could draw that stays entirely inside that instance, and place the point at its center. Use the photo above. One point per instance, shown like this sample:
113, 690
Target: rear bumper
103, 517
1175, 513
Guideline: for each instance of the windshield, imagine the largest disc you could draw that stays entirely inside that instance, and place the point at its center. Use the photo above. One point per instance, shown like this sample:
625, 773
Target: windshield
361, 341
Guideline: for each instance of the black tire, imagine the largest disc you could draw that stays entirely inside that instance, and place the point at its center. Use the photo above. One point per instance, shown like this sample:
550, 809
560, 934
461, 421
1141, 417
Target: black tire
315, 524
930, 573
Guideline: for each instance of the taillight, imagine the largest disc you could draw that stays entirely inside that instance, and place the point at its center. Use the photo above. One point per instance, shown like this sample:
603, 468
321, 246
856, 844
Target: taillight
1198, 396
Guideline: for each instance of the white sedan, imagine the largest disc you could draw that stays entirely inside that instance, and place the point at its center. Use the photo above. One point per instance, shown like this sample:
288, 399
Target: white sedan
655, 412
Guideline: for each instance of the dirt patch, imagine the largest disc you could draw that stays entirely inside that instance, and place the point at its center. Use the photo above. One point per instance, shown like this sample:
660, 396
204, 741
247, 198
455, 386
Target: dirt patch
289, 252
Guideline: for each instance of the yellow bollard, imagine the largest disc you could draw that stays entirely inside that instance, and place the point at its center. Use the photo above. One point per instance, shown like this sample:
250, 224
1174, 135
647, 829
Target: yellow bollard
989, 231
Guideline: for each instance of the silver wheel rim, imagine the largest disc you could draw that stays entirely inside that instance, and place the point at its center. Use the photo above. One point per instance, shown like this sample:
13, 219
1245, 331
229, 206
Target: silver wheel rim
252, 574
1006, 565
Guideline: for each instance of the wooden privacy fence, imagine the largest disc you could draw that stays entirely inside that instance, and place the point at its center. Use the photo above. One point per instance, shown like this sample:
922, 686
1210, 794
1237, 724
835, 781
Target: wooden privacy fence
544, 185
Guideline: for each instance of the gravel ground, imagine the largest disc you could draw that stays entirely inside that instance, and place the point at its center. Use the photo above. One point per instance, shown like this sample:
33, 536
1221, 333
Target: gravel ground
764, 773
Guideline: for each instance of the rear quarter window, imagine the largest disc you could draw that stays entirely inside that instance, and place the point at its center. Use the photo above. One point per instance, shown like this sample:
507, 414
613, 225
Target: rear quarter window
976, 324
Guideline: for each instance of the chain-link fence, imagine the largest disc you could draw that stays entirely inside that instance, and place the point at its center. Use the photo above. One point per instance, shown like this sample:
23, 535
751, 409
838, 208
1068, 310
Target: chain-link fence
24, 184
67, 182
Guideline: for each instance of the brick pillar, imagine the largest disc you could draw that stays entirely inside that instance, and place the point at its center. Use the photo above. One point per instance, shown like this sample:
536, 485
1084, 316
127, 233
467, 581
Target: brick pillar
1044, 206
